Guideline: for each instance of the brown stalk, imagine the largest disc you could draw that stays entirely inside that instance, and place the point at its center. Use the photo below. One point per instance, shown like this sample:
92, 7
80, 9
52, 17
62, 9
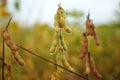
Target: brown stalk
45, 59
3, 56
8, 23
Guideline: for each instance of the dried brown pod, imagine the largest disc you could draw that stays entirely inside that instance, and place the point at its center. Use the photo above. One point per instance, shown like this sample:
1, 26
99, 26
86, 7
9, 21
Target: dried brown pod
93, 29
90, 28
88, 25
96, 39
6, 35
92, 67
84, 50
14, 47
8, 40
17, 57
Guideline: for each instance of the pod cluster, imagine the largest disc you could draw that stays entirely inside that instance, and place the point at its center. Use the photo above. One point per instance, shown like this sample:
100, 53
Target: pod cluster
90, 30
60, 21
89, 64
59, 42
13, 47
59, 24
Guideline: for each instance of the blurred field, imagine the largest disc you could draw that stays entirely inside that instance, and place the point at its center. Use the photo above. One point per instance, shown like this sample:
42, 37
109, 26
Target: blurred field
39, 39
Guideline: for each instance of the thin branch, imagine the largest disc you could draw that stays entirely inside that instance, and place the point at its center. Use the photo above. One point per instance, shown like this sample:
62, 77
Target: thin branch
2, 61
8, 23
35, 54
87, 77
3, 71
8, 66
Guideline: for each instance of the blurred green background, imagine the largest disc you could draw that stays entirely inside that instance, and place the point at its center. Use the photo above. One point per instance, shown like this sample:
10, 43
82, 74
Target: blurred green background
39, 36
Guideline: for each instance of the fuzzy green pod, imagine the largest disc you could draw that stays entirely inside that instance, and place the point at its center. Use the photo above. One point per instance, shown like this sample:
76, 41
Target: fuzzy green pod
59, 62
56, 24
54, 43
55, 76
62, 41
61, 17
62, 22
87, 68
18, 59
67, 29
66, 64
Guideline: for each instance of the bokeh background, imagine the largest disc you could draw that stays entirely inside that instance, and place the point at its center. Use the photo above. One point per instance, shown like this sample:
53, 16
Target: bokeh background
32, 27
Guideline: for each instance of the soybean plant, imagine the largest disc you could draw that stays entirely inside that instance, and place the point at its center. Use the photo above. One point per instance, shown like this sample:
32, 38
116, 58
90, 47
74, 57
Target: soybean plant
58, 45
89, 65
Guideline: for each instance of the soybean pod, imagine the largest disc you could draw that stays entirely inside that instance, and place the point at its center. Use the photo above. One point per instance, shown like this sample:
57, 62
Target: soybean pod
67, 29
18, 59
54, 43
59, 62
84, 50
56, 24
8, 40
55, 76
66, 64
92, 67
62, 41
87, 68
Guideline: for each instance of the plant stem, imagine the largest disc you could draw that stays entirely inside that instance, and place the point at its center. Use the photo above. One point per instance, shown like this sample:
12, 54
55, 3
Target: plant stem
87, 77
8, 22
45, 59
3, 71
